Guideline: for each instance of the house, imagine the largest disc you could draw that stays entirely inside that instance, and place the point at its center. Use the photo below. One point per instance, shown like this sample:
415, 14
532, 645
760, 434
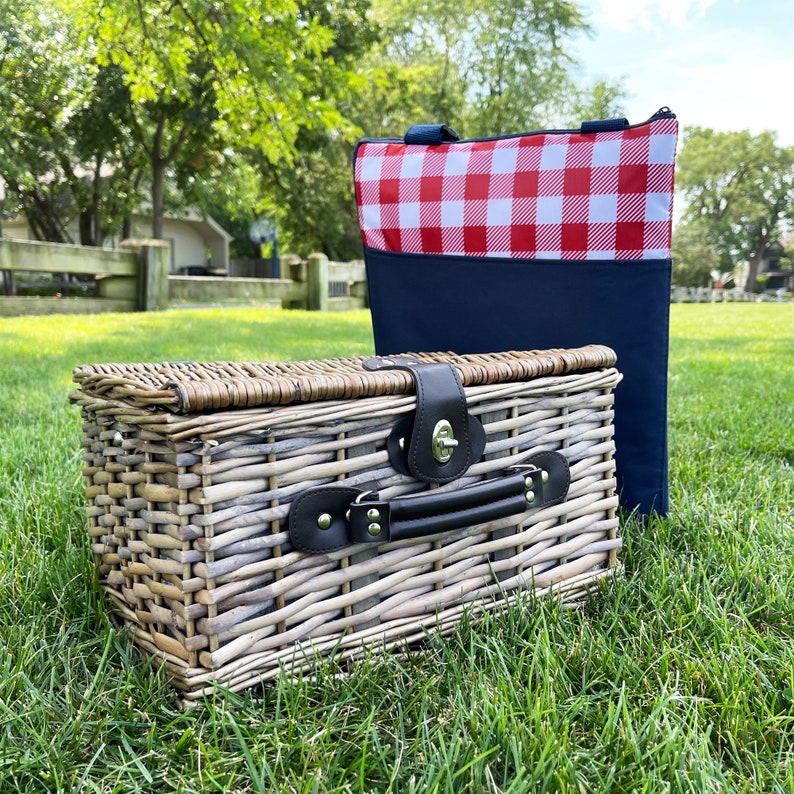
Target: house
776, 268
198, 244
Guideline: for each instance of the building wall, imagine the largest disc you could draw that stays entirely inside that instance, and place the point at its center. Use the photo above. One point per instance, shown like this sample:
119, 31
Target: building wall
188, 246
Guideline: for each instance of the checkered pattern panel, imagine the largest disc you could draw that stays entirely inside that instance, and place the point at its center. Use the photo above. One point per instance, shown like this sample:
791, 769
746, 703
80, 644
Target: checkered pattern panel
605, 195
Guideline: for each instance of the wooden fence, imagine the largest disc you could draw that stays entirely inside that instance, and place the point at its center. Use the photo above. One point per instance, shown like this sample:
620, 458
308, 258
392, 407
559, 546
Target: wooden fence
716, 295
136, 278
316, 284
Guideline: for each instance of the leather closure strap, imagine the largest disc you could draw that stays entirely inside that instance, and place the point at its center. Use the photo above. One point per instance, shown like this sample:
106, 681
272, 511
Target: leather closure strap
441, 440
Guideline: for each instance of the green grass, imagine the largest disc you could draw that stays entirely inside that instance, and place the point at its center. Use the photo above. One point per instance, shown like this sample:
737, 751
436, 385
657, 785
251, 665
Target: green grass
677, 677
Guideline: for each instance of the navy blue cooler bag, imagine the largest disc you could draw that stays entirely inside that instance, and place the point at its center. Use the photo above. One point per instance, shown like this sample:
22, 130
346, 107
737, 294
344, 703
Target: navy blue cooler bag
548, 239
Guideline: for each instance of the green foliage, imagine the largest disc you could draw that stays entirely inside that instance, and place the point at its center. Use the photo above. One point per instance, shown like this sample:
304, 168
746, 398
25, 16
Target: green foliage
248, 107
40, 86
602, 100
740, 189
760, 284
521, 68
310, 196
489, 68
227, 190
694, 258
676, 677
190, 63
321, 184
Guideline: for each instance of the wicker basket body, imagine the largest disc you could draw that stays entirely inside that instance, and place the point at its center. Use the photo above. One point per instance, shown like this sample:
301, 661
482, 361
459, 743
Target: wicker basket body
192, 468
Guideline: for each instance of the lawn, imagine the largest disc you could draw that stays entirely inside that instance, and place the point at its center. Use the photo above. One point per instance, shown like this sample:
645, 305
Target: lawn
678, 676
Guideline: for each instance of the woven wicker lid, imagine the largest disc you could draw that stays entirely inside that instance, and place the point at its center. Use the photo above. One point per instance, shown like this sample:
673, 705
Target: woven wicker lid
189, 387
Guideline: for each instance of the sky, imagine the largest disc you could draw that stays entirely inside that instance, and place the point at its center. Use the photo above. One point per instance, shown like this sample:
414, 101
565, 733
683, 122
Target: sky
724, 64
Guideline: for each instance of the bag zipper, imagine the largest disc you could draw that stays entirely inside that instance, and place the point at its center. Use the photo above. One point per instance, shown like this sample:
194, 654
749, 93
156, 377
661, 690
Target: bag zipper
664, 112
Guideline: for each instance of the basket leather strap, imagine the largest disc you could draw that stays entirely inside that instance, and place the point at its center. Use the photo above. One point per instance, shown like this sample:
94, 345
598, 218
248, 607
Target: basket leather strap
441, 415
329, 518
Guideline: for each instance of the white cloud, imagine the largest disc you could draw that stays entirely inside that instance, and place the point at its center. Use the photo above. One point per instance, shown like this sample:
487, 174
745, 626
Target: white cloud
625, 16
725, 65
722, 81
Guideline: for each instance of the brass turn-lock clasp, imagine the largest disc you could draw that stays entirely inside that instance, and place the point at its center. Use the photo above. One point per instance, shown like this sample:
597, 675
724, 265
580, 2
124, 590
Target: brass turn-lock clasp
444, 441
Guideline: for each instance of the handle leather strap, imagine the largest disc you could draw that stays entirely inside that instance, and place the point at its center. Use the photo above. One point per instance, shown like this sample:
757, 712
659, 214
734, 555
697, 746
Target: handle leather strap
329, 518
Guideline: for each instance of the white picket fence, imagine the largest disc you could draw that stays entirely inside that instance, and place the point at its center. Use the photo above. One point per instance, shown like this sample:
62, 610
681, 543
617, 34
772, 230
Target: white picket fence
714, 295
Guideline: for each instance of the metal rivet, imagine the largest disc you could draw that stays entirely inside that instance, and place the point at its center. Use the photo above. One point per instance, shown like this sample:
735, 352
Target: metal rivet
347, 516
373, 514
374, 529
530, 496
324, 521
544, 476
528, 482
401, 444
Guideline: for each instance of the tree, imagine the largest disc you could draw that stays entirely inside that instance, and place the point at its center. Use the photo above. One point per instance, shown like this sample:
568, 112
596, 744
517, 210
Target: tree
310, 194
739, 188
491, 67
64, 150
37, 88
694, 258
113, 164
206, 76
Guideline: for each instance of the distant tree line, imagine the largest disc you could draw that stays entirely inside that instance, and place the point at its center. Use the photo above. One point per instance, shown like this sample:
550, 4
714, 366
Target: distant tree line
250, 107
737, 194
244, 108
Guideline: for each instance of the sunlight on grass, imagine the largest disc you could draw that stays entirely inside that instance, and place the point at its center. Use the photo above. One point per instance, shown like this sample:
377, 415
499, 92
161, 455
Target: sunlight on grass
191, 334
678, 676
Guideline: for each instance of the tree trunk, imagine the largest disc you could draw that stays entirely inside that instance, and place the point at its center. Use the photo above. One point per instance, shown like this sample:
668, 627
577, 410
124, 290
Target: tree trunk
752, 272
158, 179
754, 263
96, 199
86, 230
43, 220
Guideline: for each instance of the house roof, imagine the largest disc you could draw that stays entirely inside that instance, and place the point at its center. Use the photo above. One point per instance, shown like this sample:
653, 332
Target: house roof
208, 225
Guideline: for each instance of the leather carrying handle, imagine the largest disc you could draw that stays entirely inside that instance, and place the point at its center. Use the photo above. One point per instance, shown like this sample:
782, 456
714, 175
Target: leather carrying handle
329, 518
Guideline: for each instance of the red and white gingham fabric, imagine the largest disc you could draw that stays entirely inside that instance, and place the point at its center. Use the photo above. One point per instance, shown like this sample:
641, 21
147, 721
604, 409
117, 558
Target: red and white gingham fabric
605, 195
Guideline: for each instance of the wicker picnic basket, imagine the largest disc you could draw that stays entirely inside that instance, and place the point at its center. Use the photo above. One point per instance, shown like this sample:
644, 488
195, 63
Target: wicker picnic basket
249, 518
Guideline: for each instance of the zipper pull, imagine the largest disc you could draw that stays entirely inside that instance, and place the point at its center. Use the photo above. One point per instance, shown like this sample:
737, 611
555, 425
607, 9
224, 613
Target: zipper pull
664, 112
